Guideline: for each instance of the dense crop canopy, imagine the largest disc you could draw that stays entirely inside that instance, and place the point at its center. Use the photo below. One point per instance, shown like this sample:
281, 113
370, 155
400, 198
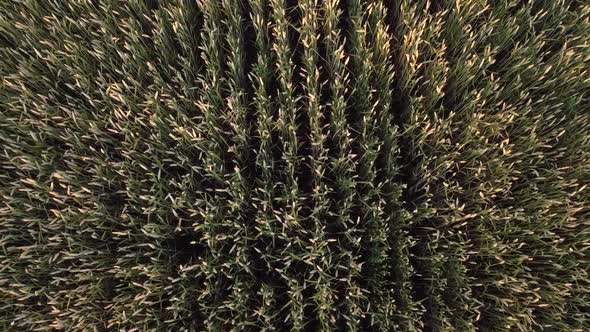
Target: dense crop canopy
312, 165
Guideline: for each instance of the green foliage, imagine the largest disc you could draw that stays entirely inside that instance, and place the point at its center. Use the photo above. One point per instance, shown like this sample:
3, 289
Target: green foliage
310, 165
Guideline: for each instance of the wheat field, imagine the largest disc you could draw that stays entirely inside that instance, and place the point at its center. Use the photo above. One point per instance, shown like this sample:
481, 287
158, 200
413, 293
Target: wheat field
312, 165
